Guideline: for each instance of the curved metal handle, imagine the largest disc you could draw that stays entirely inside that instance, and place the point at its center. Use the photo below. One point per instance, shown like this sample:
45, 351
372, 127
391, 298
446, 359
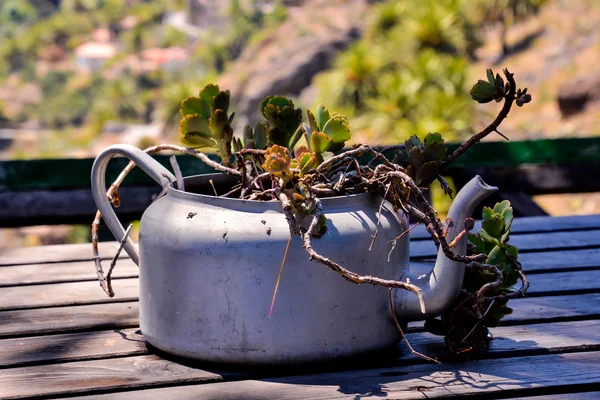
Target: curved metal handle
152, 167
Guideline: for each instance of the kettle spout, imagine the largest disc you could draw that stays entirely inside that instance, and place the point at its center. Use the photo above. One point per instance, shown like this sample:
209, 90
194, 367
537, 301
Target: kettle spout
442, 285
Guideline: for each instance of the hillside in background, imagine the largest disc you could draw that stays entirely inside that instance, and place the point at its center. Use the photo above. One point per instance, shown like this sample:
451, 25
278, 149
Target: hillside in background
77, 77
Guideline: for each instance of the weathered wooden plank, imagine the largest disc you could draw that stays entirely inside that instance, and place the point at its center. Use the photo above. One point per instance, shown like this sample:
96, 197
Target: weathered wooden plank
85, 271
536, 224
125, 315
540, 309
71, 347
56, 253
96, 375
564, 396
61, 272
89, 292
82, 252
68, 319
511, 376
509, 341
564, 282
537, 262
528, 242
525, 339
65, 294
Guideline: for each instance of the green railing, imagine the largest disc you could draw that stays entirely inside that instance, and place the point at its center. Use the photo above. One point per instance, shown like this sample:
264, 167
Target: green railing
53, 190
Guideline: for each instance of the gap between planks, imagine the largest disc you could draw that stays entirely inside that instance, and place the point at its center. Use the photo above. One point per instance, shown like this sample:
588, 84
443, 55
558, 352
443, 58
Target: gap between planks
510, 341
60, 320
88, 292
517, 376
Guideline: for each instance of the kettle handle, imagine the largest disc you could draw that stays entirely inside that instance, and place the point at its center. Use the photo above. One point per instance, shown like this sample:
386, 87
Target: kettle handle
152, 167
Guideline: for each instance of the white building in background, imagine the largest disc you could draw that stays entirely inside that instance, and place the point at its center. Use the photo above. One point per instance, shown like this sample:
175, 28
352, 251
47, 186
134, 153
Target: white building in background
91, 56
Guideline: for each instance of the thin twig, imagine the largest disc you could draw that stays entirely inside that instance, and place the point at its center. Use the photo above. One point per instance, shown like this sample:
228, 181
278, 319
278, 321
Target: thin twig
178, 175
379, 216
347, 274
478, 322
413, 351
508, 102
398, 238
111, 293
287, 247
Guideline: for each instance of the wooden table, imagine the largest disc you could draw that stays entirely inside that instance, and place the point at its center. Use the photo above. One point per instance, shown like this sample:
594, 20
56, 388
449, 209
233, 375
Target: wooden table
60, 336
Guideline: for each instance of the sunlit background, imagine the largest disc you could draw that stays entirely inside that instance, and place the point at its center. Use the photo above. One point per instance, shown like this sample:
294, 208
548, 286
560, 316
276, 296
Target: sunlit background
79, 75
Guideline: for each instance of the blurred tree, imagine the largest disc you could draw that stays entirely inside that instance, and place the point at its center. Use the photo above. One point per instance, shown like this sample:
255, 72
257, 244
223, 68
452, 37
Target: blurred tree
406, 75
505, 13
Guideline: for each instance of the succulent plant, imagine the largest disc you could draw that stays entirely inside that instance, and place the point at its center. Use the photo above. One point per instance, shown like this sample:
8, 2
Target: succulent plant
492, 240
423, 158
277, 162
283, 121
206, 122
493, 89
304, 160
326, 132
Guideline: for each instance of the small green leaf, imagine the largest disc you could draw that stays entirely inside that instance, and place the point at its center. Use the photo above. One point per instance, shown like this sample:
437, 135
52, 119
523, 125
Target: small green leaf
416, 158
196, 125
263, 105
482, 92
513, 251
277, 136
434, 151
260, 136
194, 105
193, 140
217, 124
337, 130
487, 212
428, 171
295, 138
208, 92
487, 237
433, 138
320, 142
322, 117
312, 122
220, 102
507, 214
500, 207
496, 257
490, 77
494, 225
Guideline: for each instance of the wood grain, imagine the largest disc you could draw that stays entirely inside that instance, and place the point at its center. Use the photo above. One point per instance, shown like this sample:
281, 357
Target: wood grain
86, 376
68, 319
509, 341
71, 347
65, 294
528, 242
510, 376
536, 224
61, 272
56, 253
88, 292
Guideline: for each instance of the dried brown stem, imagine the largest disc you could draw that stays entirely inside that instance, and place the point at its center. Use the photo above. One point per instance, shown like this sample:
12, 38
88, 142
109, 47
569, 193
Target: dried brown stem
413, 351
254, 184
177, 171
349, 275
122, 242
287, 247
286, 206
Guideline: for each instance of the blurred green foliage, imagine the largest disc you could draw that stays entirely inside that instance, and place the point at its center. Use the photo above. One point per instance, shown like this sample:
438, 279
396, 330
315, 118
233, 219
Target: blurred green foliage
407, 74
